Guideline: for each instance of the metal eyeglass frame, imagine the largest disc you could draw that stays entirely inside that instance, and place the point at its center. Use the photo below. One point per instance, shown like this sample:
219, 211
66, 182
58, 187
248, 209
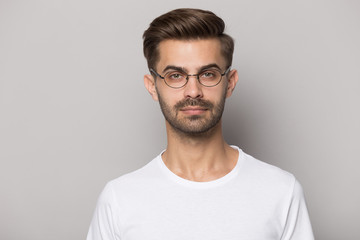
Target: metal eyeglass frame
189, 75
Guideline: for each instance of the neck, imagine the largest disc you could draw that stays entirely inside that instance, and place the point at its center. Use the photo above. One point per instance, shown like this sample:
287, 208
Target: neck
199, 157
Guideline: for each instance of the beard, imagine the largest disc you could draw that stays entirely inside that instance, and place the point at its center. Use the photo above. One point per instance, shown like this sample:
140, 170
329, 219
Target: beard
194, 124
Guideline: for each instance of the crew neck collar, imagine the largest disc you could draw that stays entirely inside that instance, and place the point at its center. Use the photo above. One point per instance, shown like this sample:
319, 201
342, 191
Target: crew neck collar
208, 184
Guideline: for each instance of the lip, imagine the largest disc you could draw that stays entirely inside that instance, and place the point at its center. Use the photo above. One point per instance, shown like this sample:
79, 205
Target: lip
193, 110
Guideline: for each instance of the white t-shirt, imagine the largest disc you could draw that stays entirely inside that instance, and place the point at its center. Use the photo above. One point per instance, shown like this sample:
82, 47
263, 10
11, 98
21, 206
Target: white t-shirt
254, 201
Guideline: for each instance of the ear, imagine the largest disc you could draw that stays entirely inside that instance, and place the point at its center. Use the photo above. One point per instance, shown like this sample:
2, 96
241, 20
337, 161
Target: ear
232, 80
149, 83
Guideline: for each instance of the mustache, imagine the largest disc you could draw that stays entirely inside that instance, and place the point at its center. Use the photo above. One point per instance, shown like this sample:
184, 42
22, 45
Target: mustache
193, 102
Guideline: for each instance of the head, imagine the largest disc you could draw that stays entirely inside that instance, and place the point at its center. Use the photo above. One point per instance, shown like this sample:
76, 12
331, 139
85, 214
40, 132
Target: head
185, 24
189, 41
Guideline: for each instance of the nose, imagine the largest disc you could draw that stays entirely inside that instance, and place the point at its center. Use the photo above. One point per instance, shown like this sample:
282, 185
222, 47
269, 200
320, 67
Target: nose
193, 88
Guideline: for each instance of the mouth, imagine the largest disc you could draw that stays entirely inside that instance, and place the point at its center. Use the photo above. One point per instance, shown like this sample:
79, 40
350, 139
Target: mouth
193, 110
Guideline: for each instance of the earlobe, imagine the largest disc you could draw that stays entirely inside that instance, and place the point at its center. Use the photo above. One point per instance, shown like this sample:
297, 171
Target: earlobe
149, 83
232, 80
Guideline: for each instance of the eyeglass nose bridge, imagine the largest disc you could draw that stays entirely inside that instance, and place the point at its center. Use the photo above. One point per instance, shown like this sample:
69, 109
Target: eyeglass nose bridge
193, 75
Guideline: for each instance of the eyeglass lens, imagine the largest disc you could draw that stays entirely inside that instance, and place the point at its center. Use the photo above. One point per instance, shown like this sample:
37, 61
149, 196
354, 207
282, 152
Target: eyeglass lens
178, 79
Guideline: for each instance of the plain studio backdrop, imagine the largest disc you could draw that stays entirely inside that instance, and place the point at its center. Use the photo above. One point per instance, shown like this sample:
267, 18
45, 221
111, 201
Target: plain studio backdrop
74, 113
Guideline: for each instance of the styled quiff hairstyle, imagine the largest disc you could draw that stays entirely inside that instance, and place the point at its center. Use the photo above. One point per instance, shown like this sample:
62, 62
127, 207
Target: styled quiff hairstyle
186, 24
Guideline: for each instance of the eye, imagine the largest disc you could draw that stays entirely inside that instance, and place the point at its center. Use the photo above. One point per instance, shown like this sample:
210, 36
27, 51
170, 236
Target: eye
208, 74
175, 76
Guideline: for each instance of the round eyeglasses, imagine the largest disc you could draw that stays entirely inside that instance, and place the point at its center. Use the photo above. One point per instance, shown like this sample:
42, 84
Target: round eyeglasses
178, 79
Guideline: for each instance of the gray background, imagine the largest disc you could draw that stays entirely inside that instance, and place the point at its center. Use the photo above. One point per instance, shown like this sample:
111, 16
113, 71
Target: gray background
74, 113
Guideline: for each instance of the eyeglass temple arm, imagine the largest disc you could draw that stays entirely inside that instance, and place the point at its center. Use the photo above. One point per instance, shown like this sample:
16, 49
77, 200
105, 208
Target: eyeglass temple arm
153, 71
227, 71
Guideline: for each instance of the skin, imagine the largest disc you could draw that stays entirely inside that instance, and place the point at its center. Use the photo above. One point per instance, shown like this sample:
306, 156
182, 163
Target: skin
194, 152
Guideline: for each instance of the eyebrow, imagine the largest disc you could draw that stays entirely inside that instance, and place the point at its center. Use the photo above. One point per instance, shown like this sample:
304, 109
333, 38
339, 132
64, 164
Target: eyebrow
176, 68
211, 65
182, 69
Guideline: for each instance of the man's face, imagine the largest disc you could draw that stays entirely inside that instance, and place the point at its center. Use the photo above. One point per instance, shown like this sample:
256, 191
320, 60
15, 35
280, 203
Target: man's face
194, 108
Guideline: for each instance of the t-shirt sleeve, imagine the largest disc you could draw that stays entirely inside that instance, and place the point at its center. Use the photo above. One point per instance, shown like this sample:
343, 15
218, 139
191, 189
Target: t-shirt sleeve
297, 226
103, 224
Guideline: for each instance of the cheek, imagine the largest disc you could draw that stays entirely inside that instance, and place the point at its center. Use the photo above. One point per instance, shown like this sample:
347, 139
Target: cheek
215, 94
169, 98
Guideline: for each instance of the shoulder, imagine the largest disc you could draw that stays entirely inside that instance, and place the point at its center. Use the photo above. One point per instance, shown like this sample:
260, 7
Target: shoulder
266, 176
260, 168
135, 181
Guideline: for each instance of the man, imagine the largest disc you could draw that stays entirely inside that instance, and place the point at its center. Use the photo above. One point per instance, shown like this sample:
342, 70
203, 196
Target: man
199, 187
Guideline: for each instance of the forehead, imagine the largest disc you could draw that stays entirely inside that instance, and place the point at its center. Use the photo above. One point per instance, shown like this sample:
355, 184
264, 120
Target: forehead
190, 54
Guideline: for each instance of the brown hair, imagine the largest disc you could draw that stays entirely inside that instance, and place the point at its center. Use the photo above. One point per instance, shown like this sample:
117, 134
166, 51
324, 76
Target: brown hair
185, 24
